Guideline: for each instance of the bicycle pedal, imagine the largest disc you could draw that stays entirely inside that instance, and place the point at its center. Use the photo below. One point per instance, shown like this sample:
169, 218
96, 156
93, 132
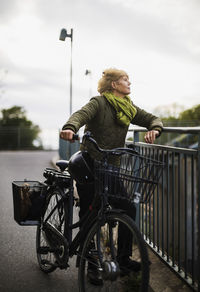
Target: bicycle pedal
63, 266
46, 262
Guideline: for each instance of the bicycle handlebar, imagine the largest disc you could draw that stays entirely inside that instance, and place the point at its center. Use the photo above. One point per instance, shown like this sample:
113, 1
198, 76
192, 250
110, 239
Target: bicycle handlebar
75, 137
115, 151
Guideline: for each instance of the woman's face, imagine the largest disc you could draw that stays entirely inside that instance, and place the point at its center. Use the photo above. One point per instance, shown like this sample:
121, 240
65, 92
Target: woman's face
121, 87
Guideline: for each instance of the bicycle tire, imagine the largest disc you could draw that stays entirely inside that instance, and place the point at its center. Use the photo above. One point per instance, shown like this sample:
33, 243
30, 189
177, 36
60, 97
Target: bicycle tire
115, 280
46, 258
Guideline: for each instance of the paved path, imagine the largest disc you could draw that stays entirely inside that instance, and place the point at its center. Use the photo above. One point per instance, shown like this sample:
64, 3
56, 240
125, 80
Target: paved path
162, 279
19, 271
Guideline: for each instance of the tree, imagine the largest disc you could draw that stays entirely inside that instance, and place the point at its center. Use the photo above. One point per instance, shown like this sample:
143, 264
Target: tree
192, 114
16, 131
186, 118
170, 110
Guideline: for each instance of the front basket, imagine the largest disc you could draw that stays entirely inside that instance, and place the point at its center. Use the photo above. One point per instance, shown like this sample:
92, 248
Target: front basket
134, 178
28, 201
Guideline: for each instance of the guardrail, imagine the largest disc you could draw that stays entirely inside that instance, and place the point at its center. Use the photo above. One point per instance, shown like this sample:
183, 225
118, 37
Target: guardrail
170, 221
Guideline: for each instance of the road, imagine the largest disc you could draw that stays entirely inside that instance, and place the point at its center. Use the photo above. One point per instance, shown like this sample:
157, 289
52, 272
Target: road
19, 271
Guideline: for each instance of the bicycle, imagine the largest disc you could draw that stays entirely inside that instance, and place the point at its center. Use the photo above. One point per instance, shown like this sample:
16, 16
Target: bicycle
97, 245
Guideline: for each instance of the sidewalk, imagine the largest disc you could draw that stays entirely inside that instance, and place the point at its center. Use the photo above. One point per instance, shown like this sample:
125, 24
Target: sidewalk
162, 279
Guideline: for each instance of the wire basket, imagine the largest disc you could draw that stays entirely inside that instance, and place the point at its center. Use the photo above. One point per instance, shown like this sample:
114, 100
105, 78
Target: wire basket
134, 179
28, 201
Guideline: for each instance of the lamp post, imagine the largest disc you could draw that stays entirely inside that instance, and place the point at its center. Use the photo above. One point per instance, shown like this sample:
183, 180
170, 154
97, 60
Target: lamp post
63, 36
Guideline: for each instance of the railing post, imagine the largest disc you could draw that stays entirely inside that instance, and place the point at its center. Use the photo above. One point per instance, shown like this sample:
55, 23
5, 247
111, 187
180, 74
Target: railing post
137, 218
198, 218
66, 149
135, 136
18, 138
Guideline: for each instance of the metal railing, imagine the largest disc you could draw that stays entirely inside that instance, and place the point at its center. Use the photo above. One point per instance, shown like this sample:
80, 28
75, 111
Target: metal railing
170, 221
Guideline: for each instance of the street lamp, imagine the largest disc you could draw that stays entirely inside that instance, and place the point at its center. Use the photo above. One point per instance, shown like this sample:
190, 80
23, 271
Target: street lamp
63, 36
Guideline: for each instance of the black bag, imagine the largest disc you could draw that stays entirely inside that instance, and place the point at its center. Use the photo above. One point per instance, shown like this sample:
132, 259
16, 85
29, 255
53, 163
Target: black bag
28, 201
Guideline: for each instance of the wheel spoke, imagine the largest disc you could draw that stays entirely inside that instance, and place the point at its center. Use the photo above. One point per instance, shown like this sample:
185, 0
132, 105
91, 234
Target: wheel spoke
103, 252
55, 215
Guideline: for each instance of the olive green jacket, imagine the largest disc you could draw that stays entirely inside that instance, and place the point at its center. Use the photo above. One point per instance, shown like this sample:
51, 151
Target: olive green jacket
99, 117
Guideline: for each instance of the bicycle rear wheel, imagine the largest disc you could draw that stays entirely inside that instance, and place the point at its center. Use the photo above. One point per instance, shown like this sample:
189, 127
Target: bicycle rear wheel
55, 214
102, 252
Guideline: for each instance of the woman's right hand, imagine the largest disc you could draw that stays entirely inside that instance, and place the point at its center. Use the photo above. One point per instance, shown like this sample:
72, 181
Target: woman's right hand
67, 135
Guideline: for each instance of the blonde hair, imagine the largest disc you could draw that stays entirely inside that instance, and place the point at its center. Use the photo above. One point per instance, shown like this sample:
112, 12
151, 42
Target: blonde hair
108, 76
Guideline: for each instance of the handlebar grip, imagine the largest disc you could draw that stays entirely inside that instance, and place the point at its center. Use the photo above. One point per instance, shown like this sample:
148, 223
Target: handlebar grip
75, 137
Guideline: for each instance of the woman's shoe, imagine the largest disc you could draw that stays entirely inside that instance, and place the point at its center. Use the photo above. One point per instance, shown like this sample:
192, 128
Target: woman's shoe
94, 277
127, 266
93, 274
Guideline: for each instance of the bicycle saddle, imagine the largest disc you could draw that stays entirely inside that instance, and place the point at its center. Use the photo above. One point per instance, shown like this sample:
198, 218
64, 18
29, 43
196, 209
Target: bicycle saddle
62, 164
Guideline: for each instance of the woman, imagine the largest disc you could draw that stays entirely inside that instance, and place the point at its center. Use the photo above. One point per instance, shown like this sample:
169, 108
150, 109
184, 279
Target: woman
108, 117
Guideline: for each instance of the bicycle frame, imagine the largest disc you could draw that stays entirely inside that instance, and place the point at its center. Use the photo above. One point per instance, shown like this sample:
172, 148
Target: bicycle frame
86, 222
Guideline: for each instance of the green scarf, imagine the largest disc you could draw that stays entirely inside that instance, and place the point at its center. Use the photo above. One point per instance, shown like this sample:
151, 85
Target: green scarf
125, 111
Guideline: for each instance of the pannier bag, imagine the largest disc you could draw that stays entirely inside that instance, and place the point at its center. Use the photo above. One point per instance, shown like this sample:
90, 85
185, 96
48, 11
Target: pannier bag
28, 201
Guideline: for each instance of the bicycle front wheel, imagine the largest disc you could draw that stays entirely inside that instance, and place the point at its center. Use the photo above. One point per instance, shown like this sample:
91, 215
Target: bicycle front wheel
114, 257
55, 214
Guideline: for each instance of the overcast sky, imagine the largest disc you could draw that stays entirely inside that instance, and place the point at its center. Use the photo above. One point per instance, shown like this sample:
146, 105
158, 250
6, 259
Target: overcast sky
156, 41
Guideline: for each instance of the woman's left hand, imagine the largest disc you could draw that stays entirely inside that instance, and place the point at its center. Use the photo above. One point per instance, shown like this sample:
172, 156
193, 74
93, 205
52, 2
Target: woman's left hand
150, 136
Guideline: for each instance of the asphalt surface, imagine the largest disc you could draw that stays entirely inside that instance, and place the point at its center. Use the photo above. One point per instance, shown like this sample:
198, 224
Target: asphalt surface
19, 271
